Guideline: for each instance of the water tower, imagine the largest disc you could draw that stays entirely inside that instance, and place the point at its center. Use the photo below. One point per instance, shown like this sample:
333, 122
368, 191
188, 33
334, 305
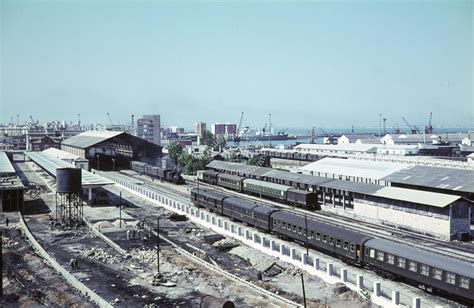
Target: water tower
69, 206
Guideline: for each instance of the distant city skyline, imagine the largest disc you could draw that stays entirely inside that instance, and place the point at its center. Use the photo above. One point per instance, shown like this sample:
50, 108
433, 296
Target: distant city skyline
322, 64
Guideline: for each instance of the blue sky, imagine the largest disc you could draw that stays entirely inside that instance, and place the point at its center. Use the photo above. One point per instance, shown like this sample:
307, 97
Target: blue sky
329, 64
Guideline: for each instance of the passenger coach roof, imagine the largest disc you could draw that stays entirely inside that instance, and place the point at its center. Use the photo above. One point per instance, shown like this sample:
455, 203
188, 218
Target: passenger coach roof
240, 202
422, 256
267, 184
209, 193
319, 226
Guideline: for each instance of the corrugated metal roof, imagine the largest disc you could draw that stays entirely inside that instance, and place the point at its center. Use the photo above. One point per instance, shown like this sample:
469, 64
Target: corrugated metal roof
297, 177
60, 154
90, 138
435, 177
356, 187
5, 164
417, 196
354, 168
422, 256
267, 184
51, 163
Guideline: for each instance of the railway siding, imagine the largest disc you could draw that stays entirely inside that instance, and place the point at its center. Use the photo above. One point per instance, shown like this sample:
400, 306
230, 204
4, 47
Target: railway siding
296, 256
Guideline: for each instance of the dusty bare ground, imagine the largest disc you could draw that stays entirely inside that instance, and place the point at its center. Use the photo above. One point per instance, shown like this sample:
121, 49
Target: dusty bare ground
28, 280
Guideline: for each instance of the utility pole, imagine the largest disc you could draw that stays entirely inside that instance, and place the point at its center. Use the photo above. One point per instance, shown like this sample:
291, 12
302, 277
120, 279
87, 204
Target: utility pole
307, 236
270, 130
380, 125
120, 207
304, 293
158, 246
113, 164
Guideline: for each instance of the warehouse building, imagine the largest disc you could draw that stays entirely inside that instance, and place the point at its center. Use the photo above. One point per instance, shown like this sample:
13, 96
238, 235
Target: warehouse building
11, 187
431, 213
110, 150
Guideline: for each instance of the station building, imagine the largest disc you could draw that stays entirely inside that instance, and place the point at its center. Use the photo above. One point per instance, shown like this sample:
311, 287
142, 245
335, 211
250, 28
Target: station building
431, 213
110, 150
11, 187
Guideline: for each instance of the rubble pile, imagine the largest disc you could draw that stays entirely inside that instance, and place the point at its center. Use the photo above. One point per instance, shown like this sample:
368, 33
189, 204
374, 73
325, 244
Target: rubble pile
226, 244
8, 243
102, 256
34, 191
259, 261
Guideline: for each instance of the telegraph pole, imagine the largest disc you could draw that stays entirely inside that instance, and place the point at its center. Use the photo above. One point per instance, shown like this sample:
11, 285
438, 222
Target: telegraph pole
304, 293
120, 212
158, 246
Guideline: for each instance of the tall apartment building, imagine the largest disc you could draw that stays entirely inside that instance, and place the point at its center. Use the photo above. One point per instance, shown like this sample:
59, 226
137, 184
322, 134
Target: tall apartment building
199, 128
148, 128
221, 129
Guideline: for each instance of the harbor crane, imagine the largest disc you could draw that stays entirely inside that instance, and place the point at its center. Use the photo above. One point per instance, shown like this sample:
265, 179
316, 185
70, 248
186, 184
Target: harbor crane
429, 127
32, 120
413, 129
396, 128
110, 119
329, 138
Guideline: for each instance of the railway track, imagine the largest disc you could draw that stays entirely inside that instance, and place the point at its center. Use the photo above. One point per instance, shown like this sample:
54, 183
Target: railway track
389, 233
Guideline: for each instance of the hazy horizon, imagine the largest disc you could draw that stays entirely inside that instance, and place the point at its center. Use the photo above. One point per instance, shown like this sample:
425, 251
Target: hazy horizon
322, 64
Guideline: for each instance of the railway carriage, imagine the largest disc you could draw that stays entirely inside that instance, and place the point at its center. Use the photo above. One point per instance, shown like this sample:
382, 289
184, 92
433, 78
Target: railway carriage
270, 190
331, 239
303, 198
210, 177
209, 199
428, 270
230, 181
239, 209
138, 166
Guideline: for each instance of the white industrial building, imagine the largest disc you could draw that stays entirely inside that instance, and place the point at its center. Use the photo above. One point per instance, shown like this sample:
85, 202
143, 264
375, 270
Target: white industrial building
347, 148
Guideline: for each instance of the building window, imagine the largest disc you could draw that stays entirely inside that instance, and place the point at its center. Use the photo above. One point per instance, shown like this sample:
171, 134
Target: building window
390, 259
450, 278
424, 270
437, 274
412, 266
380, 256
464, 282
401, 262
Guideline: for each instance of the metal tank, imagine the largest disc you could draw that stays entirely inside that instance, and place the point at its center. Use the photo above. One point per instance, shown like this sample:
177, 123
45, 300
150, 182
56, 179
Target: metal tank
68, 180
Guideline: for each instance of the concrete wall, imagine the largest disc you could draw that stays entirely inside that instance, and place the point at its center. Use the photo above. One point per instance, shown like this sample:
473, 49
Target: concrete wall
416, 220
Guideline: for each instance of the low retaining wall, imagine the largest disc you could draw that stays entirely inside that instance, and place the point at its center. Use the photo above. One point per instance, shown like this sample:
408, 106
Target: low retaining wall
73, 281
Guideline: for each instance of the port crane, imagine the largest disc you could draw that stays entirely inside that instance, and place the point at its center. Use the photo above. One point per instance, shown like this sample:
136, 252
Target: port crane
110, 119
330, 138
396, 128
429, 127
413, 129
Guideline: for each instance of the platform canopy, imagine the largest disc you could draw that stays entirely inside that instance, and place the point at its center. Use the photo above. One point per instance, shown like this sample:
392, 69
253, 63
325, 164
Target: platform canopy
50, 164
6, 167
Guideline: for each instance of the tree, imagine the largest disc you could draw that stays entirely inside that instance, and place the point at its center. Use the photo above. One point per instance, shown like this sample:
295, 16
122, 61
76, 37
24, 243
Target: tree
208, 139
174, 151
253, 160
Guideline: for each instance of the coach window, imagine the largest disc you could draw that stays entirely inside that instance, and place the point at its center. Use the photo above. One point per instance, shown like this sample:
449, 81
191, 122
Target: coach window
353, 247
390, 259
464, 282
450, 278
338, 243
401, 262
283, 224
412, 266
372, 253
275, 223
311, 234
294, 228
279, 223
289, 227
424, 270
299, 230
331, 240
380, 256
437, 274
318, 236
325, 238
346, 245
